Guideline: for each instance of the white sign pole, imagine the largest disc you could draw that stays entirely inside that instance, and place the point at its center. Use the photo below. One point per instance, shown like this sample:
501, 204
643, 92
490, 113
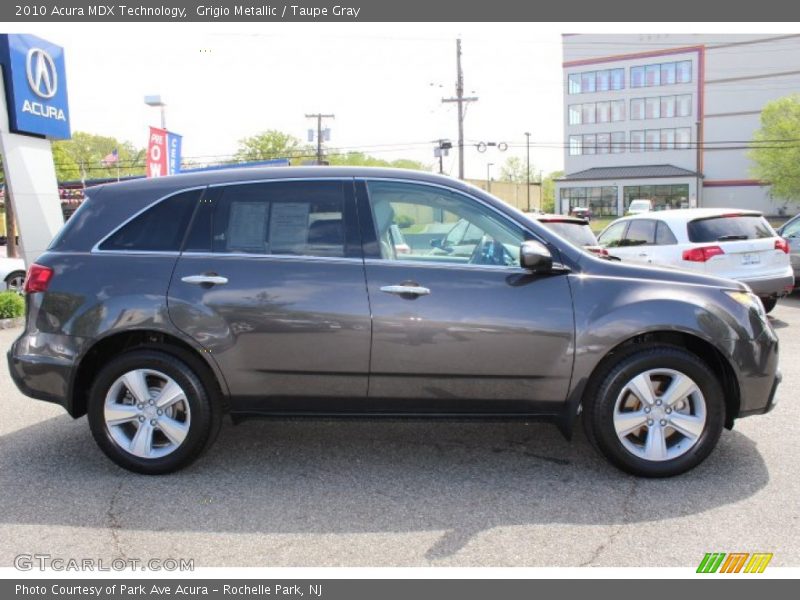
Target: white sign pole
31, 180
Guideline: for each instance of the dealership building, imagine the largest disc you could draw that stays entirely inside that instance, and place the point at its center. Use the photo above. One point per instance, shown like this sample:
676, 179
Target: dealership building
668, 117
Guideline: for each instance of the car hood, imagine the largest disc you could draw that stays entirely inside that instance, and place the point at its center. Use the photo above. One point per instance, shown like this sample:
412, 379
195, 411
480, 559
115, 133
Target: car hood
609, 268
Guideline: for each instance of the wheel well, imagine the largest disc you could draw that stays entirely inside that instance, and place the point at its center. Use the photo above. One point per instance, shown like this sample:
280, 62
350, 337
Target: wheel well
112, 346
706, 352
14, 273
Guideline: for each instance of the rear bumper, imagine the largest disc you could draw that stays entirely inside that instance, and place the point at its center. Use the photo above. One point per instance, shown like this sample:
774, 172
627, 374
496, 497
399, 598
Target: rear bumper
774, 285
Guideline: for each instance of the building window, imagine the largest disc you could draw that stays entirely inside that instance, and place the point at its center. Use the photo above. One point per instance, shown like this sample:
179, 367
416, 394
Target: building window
684, 71
574, 114
617, 79
652, 75
618, 142
618, 110
603, 143
588, 113
637, 77
574, 145
602, 201
667, 139
668, 74
667, 107
574, 85
637, 141
652, 140
587, 82
603, 112
637, 109
684, 105
683, 138
651, 108
603, 81
589, 142
663, 196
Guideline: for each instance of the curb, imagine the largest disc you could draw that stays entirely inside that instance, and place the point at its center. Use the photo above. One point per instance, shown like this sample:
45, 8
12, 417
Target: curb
12, 323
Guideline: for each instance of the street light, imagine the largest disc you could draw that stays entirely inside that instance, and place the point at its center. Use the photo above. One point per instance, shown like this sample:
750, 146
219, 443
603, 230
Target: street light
489, 176
528, 168
155, 101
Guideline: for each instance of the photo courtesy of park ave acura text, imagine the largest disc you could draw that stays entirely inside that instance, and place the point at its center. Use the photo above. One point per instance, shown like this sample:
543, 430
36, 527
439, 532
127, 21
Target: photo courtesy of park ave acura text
300, 286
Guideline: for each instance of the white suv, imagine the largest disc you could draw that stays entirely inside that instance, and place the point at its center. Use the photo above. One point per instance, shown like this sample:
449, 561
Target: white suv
736, 244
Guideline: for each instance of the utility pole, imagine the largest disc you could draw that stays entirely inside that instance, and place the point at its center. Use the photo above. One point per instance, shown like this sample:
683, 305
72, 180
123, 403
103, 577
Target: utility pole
528, 167
489, 176
461, 100
319, 117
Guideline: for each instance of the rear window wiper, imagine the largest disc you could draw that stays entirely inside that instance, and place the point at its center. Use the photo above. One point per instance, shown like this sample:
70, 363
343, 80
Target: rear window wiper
727, 238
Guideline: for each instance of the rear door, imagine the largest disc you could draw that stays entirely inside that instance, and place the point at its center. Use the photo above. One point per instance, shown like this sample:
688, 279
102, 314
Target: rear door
460, 334
271, 284
747, 244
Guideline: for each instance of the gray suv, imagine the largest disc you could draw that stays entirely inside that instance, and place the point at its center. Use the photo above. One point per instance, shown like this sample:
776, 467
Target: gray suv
164, 304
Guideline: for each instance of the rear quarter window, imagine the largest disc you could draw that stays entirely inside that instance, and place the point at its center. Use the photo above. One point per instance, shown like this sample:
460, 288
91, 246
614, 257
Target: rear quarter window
729, 228
159, 228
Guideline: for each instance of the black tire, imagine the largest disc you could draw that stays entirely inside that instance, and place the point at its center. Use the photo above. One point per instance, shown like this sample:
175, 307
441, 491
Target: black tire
14, 281
769, 303
598, 414
205, 410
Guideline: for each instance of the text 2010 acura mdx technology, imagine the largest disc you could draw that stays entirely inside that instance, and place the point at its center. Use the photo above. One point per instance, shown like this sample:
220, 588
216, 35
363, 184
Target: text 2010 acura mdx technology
165, 303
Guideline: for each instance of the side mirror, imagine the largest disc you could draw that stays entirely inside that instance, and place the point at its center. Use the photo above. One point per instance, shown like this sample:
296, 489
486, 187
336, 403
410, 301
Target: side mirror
535, 256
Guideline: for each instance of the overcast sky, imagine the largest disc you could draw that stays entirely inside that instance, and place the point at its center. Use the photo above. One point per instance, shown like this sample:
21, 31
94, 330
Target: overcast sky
384, 83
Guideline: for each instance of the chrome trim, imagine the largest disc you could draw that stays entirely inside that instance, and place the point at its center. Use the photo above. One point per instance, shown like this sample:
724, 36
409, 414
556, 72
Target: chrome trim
96, 248
279, 179
412, 290
205, 279
282, 257
445, 265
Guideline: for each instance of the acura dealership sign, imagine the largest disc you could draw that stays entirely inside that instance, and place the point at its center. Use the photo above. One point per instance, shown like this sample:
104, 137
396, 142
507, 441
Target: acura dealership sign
36, 86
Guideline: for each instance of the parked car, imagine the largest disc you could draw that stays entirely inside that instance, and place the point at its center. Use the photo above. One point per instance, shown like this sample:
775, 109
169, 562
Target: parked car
637, 207
12, 273
573, 229
166, 303
790, 231
582, 212
735, 244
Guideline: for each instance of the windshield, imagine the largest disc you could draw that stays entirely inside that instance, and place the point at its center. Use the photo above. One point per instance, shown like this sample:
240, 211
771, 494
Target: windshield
578, 233
729, 228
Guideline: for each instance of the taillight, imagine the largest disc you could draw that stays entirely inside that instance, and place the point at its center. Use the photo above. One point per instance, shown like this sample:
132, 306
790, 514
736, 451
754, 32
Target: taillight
702, 254
782, 244
38, 278
598, 251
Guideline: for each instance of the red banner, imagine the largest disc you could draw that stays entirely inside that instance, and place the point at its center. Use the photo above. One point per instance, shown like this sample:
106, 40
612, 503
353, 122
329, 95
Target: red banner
157, 153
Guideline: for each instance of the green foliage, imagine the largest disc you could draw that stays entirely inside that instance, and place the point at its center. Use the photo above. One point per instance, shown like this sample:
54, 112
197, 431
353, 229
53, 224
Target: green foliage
270, 144
11, 305
359, 159
776, 150
513, 171
549, 191
80, 158
404, 221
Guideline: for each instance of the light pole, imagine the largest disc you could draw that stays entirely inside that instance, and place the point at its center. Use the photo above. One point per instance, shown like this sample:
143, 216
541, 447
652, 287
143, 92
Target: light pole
489, 176
156, 101
528, 167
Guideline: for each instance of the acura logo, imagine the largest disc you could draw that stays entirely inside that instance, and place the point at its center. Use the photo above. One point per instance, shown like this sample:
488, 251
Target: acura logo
42, 75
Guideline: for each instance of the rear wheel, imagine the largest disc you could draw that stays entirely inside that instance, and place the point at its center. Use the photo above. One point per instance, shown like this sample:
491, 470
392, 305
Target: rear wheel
658, 412
769, 303
151, 413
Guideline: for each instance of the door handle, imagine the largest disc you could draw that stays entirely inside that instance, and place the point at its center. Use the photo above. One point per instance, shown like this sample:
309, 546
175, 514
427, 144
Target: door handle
205, 279
406, 290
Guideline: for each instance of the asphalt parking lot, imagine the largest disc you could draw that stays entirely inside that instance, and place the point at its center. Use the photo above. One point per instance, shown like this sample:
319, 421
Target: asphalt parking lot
273, 493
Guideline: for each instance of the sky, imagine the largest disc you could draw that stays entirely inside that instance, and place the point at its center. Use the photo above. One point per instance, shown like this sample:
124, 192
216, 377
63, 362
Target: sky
384, 83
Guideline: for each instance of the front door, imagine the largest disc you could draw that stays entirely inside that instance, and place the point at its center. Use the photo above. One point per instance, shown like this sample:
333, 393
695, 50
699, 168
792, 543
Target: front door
271, 283
459, 329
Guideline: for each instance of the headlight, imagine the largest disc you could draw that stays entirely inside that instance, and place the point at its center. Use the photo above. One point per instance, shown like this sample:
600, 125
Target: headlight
748, 299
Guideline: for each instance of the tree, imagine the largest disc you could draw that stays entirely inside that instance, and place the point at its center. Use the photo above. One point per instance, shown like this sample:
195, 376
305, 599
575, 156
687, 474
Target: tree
513, 171
359, 159
82, 157
270, 144
776, 147
549, 191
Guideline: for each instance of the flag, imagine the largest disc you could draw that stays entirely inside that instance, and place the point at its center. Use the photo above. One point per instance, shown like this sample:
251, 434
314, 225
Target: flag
110, 158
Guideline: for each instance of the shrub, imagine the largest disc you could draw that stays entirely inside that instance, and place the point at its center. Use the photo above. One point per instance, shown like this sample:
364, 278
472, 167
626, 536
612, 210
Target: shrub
404, 221
11, 305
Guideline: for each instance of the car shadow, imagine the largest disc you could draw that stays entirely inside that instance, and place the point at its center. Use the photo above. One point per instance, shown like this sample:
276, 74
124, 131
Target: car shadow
359, 476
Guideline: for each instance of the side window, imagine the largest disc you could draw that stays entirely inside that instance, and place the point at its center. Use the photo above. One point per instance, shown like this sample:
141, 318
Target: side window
441, 226
792, 230
612, 237
158, 229
303, 218
642, 232
664, 235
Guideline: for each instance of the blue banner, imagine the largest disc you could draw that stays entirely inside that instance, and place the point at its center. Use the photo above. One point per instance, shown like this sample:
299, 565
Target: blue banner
174, 142
36, 86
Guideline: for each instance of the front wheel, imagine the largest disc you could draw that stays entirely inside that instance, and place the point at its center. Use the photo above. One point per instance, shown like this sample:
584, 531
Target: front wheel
151, 413
658, 412
15, 282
